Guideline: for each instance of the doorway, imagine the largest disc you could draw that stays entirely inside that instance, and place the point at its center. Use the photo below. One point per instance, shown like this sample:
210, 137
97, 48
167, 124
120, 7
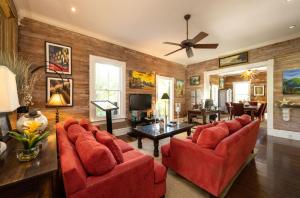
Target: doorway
165, 85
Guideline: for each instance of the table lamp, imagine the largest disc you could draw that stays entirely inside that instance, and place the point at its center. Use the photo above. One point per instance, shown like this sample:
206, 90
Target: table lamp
165, 97
9, 102
56, 100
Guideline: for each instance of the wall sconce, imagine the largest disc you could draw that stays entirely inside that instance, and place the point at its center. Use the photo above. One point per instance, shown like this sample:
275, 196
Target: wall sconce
285, 113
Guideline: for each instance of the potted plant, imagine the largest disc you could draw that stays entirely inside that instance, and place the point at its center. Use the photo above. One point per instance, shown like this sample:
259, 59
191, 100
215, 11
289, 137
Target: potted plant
29, 137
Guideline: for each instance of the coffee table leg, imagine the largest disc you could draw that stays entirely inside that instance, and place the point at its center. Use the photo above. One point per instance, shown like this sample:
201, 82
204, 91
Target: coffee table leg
140, 145
188, 132
156, 151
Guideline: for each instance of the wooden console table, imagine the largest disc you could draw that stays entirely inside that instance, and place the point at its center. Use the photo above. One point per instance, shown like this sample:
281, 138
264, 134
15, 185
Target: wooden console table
204, 113
36, 178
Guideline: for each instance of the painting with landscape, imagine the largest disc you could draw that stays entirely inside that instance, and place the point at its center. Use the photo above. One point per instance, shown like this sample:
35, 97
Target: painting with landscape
141, 80
291, 81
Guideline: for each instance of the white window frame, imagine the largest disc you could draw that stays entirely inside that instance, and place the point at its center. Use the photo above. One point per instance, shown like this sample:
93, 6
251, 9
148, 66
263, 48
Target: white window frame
249, 90
92, 95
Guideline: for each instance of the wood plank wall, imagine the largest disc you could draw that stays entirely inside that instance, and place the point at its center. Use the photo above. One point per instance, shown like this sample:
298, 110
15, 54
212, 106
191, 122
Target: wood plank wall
286, 55
32, 37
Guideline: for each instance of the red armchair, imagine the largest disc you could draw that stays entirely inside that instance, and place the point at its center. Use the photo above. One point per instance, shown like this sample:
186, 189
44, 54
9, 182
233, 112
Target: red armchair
138, 176
211, 169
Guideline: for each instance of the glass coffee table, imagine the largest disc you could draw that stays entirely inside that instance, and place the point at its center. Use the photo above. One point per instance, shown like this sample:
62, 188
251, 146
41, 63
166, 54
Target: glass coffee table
156, 133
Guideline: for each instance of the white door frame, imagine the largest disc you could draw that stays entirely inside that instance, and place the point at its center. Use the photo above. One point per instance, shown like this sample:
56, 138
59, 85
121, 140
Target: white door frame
269, 64
171, 94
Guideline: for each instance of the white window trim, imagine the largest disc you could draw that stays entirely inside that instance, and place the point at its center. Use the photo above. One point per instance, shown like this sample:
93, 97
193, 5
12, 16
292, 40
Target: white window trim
92, 96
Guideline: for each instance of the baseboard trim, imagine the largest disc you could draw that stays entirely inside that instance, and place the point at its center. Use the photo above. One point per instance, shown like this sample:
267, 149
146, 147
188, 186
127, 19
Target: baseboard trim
121, 131
292, 135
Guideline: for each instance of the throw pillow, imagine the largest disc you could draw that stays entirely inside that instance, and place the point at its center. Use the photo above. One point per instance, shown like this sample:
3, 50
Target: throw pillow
199, 130
95, 157
111, 145
244, 119
233, 126
74, 131
69, 122
211, 137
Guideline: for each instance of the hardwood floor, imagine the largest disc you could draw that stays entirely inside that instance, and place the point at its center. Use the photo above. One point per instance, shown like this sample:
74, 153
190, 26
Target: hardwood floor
274, 173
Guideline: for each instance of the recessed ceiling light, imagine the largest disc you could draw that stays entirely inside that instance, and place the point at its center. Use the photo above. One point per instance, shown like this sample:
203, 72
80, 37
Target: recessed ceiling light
292, 26
73, 9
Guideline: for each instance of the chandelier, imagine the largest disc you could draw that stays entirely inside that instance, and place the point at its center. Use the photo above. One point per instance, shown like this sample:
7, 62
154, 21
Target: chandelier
249, 75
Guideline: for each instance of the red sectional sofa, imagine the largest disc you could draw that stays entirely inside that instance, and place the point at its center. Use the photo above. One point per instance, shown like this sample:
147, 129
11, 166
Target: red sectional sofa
119, 170
214, 155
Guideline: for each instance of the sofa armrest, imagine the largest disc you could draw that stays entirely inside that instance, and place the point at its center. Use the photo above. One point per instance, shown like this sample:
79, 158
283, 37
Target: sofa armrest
202, 166
133, 178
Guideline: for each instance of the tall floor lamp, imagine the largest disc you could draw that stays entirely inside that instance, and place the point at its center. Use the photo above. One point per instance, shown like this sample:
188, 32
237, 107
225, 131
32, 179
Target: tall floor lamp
9, 102
165, 97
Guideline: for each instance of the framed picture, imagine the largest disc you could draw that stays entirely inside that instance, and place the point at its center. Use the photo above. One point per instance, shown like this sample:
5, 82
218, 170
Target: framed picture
233, 59
141, 80
291, 81
55, 85
179, 88
58, 58
259, 90
194, 80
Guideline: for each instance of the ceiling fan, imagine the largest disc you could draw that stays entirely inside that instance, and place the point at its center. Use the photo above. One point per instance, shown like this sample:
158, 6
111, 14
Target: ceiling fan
188, 44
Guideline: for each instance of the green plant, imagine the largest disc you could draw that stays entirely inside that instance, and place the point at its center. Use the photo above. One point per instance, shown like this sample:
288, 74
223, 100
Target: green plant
22, 68
30, 135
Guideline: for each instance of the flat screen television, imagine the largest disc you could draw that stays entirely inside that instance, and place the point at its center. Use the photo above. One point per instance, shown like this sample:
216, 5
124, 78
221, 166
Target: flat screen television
140, 101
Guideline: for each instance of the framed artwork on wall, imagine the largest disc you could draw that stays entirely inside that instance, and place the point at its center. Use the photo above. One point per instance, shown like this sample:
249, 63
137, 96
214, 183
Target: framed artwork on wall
291, 81
259, 90
141, 80
55, 85
194, 80
233, 59
179, 88
221, 83
58, 58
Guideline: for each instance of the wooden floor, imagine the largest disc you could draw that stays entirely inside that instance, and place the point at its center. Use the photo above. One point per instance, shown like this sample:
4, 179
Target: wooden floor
274, 173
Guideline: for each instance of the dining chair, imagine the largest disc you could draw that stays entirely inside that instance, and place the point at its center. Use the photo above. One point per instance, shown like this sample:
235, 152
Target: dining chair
253, 103
237, 109
259, 114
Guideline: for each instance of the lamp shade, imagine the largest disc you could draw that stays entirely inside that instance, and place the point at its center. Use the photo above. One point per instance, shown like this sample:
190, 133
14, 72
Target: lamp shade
57, 99
165, 96
9, 100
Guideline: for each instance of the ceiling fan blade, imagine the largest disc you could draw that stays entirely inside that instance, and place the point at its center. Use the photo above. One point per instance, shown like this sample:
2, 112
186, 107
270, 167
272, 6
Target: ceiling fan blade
189, 52
171, 43
199, 37
174, 51
206, 46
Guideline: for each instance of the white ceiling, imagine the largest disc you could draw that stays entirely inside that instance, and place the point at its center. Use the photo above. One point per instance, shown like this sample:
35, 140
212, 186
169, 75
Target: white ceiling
144, 24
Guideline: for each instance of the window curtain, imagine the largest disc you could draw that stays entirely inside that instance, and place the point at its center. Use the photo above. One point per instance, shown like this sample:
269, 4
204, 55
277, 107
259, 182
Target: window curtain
8, 27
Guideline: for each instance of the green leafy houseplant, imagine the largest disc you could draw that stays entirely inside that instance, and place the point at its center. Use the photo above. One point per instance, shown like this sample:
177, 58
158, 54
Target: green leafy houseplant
29, 137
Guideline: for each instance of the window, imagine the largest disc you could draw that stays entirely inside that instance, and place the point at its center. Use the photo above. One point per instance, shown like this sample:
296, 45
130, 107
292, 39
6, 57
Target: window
215, 94
241, 91
107, 82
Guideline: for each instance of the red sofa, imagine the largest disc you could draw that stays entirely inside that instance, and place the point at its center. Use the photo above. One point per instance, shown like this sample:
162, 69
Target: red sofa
137, 176
212, 169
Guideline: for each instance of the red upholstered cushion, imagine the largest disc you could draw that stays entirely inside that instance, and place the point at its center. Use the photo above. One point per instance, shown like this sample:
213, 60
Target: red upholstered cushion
95, 157
199, 130
211, 137
244, 119
160, 172
69, 122
84, 123
123, 145
74, 131
113, 147
233, 126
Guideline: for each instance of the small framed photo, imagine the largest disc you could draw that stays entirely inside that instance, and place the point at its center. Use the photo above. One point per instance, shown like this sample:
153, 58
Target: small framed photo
194, 80
259, 90
55, 85
58, 58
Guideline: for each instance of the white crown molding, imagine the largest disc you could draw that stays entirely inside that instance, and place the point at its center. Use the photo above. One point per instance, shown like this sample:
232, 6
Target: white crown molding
292, 135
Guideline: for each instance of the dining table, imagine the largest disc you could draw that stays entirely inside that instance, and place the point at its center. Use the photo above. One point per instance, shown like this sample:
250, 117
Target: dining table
248, 108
